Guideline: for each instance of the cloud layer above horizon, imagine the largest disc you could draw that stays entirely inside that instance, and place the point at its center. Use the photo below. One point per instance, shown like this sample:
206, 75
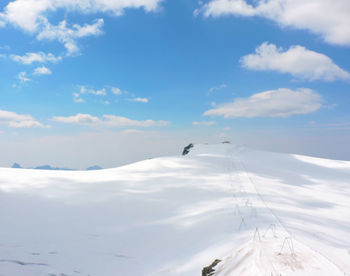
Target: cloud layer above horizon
32, 17
297, 61
280, 103
327, 18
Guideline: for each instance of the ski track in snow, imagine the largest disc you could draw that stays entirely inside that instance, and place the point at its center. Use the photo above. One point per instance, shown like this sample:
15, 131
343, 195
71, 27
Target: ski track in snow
260, 213
256, 257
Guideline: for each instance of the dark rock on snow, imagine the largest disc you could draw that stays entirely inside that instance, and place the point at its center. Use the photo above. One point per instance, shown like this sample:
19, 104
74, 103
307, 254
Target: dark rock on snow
187, 149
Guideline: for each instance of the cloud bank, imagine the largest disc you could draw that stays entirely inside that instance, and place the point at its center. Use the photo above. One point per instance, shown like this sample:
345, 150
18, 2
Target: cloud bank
107, 121
42, 71
328, 18
14, 120
297, 61
39, 57
203, 123
281, 103
32, 16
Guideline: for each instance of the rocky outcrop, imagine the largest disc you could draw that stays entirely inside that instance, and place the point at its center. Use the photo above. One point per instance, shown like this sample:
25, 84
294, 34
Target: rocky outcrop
209, 270
187, 149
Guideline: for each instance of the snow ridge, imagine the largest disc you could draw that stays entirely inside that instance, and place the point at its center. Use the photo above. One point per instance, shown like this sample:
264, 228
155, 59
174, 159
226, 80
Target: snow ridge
260, 213
278, 254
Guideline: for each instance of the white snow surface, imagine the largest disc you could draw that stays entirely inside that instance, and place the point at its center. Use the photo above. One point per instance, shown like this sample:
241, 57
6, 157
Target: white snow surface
261, 213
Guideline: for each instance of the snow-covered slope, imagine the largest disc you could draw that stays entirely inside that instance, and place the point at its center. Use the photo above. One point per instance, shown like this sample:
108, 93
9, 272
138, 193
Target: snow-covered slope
260, 213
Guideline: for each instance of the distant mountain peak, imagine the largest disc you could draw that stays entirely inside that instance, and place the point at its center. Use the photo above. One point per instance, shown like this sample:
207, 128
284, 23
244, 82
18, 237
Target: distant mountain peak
92, 168
16, 166
48, 167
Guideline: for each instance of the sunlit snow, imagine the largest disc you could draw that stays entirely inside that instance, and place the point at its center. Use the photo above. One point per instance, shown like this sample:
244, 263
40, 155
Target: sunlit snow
260, 213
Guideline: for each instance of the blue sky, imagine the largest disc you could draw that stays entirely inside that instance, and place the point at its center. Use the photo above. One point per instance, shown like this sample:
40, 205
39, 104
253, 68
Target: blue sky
119, 81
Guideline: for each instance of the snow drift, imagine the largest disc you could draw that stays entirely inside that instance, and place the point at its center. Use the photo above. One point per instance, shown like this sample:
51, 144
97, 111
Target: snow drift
260, 213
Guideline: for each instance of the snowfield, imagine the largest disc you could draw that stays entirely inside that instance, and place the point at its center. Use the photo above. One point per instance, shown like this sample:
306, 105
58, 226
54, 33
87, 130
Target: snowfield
260, 213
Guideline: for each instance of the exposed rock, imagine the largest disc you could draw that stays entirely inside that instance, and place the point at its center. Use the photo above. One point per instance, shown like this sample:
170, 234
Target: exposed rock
209, 270
187, 149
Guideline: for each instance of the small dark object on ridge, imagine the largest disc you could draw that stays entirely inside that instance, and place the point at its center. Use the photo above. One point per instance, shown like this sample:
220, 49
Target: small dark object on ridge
187, 149
208, 270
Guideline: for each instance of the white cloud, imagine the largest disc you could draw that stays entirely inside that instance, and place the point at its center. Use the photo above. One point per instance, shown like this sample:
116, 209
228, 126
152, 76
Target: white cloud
23, 77
297, 61
68, 36
204, 123
77, 96
116, 91
282, 102
86, 90
216, 88
15, 120
39, 57
140, 100
117, 121
81, 119
327, 18
42, 71
107, 121
32, 16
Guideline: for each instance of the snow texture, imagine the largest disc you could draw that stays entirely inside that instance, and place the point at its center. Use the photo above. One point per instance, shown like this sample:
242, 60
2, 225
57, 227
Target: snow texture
260, 213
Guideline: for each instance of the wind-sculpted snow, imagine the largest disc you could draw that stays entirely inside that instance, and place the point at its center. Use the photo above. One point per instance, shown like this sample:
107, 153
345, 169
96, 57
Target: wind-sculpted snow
260, 213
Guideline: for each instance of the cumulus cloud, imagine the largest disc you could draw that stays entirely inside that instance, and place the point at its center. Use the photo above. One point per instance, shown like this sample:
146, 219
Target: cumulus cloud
107, 121
140, 100
81, 119
15, 120
282, 103
116, 91
328, 18
77, 96
297, 61
42, 71
69, 35
39, 57
204, 123
32, 16
86, 90
118, 121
